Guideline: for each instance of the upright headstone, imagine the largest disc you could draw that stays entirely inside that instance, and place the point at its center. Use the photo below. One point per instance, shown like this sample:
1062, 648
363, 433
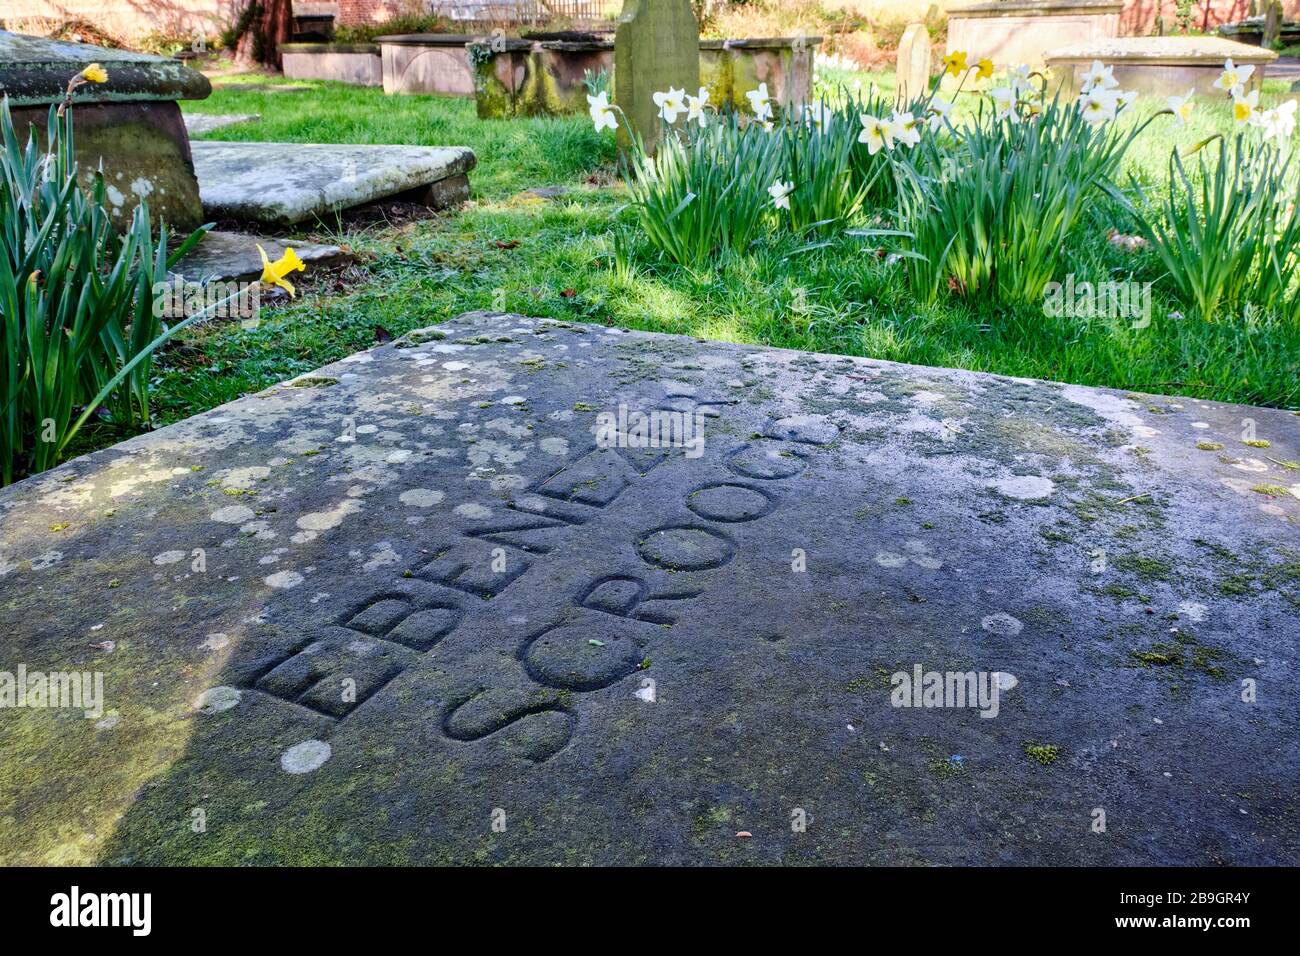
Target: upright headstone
656, 46
913, 68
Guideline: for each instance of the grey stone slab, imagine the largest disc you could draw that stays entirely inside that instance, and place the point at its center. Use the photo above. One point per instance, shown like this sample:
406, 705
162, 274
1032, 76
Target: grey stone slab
358, 614
196, 124
292, 182
34, 71
233, 255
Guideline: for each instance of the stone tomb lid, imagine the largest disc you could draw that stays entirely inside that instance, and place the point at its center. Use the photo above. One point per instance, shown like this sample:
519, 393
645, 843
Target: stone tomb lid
425, 592
1023, 8
35, 71
1177, 51
292, 182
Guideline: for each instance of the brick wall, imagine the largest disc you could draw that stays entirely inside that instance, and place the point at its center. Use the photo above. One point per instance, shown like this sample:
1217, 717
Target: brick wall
354, 13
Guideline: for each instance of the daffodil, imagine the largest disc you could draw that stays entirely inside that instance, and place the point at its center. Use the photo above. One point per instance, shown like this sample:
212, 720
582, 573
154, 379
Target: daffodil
602, 114
759, 102
817, 115
1099, 76
1099, 105
670, 104
1279, 122
95, 73
954, 64
1005, 99
984, 68
1245, 107
1181, 106
695, 106
1126, 98
273, 273
1233, 78
937, 112
905, 129
877, 134
780, 193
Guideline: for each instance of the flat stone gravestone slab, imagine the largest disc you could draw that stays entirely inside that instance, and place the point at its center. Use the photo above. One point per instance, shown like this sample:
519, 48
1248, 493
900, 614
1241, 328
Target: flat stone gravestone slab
196, 124
293, 182
233, 255
445, 601
1161, 66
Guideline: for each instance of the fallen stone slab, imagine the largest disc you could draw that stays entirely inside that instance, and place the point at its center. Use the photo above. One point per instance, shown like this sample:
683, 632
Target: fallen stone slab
222, 256
291, 182
510, 590
196, 124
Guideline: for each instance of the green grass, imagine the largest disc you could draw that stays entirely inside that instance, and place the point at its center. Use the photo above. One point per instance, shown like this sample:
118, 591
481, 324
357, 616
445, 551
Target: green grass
579, 258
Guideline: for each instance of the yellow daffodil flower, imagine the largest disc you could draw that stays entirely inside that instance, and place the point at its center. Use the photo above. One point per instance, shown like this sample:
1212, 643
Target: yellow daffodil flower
273, 273
95, 73
955, 62
984, 68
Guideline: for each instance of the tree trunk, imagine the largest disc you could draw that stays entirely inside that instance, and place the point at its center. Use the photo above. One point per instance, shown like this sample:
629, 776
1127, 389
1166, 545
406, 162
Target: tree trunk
264, 26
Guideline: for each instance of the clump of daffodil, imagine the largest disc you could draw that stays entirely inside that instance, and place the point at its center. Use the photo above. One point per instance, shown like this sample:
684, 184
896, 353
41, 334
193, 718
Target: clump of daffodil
273, 273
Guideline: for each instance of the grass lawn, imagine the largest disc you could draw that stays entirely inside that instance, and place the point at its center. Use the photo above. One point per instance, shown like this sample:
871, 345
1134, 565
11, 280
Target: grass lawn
577, 256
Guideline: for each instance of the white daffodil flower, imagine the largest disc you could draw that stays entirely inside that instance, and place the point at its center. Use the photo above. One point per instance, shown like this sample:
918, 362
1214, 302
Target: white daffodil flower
905, 128
1005, 99
1182, 106
759, 102
1099, 76
670, 104
1126, 98
937, 112
877, 134
1233, 78
1279, 122
780, 193
695, 106
602, 114
1245, 107
1099, 105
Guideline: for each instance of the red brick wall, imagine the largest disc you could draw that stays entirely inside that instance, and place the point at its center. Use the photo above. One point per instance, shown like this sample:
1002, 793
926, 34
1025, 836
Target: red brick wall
1139, 16
362, 12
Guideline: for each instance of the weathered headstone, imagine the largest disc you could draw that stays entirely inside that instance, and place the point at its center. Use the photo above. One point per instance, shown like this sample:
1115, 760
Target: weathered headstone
656, 46
358, 613
913, 69
131, 124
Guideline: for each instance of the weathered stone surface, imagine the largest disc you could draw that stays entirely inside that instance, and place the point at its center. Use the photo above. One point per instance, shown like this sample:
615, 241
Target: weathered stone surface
233, 255
292, 182
427, 63
35, 71
913, 63
196, 124
357, 63
729, 69
1021, 31
354, 615
1160, 66
656, 46
143, 150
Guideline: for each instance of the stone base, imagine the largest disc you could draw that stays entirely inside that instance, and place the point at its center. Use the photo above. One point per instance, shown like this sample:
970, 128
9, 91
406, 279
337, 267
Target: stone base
731, 68
1159, 66
285, 183
357, 64
145, 153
